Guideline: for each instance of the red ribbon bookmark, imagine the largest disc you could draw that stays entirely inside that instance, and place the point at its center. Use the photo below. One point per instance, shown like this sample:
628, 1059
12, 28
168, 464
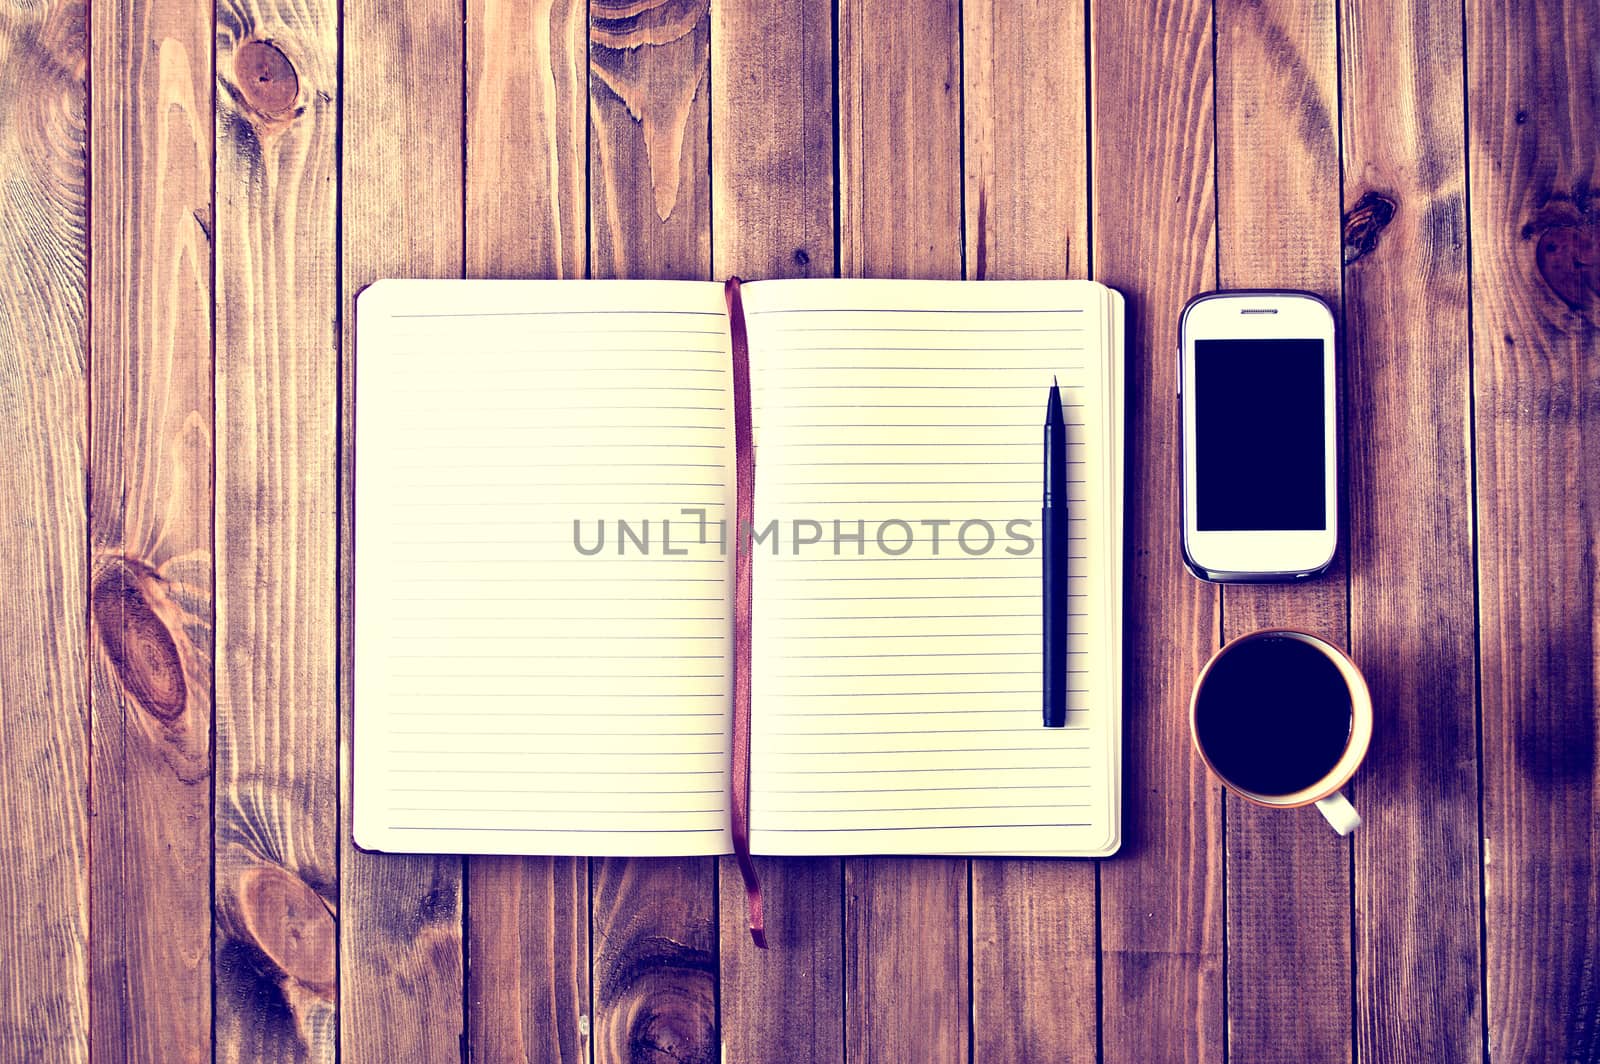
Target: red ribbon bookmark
744, 451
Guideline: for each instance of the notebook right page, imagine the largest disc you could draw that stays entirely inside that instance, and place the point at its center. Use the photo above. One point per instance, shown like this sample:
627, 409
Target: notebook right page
896, 652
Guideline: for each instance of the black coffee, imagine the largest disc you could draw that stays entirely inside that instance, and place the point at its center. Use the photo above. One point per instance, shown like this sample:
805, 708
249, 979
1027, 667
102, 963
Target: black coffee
1274, 715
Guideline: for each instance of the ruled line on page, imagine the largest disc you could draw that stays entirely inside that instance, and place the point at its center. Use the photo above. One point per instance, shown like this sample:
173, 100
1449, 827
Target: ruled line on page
524, 696
942, 772
914, 714
547, 349
435, 674
964, 807
545, 714
550, 312
543, 829
765, 311
843, 830
571, 815
491, 770
980, 787
899, 387
902, 329
924, 349
1008, 729
789, 695
631, 731
583, 331
560, 791
601, 407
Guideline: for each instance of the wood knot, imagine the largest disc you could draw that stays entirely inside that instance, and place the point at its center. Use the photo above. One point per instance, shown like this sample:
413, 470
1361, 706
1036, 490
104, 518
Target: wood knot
141, 649
266, 78
1364, 222
439, 904
663, 993
290, 924
634, 23
1568, 252
652, 55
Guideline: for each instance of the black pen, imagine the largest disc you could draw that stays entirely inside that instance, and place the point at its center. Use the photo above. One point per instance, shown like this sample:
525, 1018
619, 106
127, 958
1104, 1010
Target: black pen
1054, 592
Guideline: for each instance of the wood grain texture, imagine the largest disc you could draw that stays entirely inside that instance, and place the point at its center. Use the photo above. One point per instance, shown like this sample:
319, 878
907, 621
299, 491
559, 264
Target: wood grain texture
906, 932
400, 929
655, 960
527, 928
906, 959
786, 1002
899, 89
648, 155
772, 139
710, 132
1155, 241
44, 698
1034, 962
772, 196
528, 959
1418, 993
1034, 922
1288, 874
653, 921
150, 477
527, 139
1026, 137
276, 804
1533, 106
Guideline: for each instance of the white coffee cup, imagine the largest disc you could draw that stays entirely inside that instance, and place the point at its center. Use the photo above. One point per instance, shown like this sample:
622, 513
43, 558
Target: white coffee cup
1324, 790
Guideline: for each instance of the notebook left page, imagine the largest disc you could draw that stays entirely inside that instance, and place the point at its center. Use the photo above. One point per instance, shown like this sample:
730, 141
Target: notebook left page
541, 628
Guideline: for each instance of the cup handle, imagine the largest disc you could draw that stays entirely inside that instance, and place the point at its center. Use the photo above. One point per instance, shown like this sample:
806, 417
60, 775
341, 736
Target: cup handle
1338, 811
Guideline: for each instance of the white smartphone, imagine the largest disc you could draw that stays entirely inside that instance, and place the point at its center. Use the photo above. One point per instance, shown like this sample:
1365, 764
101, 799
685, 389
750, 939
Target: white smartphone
1257, 389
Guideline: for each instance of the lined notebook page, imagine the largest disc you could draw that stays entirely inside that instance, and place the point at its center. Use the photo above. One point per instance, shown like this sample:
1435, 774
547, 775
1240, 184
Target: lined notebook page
513, 695
897, 689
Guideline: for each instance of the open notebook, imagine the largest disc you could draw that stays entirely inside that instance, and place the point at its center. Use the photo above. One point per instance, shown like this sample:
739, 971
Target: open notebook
519, 691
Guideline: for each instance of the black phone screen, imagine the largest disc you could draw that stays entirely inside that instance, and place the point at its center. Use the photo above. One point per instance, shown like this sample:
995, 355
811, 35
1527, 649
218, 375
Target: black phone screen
1259, 435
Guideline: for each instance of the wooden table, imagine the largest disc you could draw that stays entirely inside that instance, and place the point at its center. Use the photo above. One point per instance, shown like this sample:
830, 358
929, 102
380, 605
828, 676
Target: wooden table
187, 210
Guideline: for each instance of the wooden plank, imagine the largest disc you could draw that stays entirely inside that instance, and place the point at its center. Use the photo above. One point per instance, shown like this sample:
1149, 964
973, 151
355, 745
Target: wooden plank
44, 698
400, 939
1288, 874
654, 960
527, 202
150, 476
653, 921
787, 1002
1027, 140
906, 931
276, 878
528, 941
1027, 216
1418, 987
906, 960
1533, 104
1155, 240
772, 196
1033, 960
899, 139
648, 156
527, 930
772, 140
